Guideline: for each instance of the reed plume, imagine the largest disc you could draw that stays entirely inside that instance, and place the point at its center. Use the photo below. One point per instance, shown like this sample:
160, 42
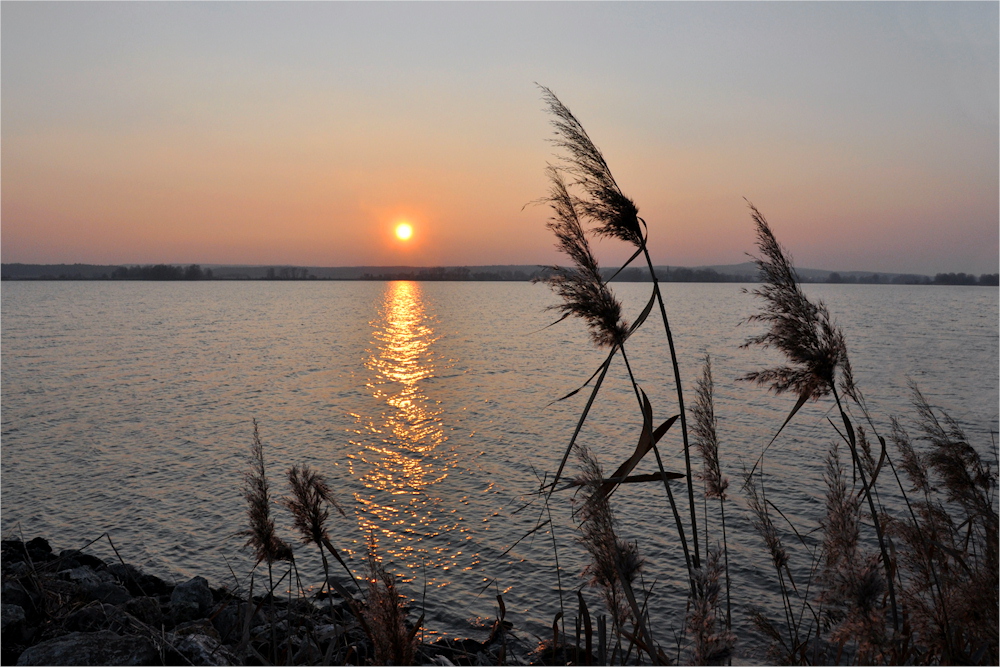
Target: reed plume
713, 642
582, 288
308, 504
854, 589
706, 440
261, 535
310, 498
385, 616
615, 214
801, 330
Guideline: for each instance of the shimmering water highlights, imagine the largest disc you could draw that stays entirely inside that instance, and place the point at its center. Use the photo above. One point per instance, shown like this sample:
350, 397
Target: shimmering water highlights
402, 448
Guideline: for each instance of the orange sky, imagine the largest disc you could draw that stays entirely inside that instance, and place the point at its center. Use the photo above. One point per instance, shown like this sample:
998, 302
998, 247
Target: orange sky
301, 133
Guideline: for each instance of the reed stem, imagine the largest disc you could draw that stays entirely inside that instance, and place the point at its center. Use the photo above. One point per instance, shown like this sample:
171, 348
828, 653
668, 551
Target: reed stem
680, 404
666, 484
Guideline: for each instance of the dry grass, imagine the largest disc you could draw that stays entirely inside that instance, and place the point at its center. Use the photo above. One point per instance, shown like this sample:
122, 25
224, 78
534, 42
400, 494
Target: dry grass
385, 616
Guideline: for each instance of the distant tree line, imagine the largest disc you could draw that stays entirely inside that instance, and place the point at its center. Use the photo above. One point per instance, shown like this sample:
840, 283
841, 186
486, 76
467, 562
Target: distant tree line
986, 279
631, 274
161, 272
288, 273
677, 275
963, 279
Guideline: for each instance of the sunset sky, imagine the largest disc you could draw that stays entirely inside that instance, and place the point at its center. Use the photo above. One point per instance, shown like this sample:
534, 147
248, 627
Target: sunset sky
303, 133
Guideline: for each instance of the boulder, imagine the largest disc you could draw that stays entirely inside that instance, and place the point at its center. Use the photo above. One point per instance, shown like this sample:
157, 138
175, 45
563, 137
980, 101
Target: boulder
87, 619
191, 600
201, 649
14, 593
12, 616
81, 575
91, 648
202, 626
86, 560
17, 570
145, 609
139, 584
39, 543
108, 593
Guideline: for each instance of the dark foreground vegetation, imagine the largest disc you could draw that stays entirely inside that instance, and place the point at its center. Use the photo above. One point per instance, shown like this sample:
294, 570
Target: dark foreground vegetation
72, 608
908, 581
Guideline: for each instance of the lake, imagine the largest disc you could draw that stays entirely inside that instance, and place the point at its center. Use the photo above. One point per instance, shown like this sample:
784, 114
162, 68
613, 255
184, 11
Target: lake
128, 408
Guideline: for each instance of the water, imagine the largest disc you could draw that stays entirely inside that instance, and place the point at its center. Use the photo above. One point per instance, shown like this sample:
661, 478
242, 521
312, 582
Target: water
127, 409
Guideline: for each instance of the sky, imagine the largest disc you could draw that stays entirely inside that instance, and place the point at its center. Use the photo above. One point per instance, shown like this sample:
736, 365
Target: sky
302, 133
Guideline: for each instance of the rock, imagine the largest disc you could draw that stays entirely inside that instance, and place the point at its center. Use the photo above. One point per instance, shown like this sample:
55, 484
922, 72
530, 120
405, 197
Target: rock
81, 575
86, 560
108, 593
91, 648
18, 569
13, 550
201, 649
124, 572
87, 619
39, 544
145, 609
12, 618
202, 626
139, 584
232, 617
14, 593
191, 600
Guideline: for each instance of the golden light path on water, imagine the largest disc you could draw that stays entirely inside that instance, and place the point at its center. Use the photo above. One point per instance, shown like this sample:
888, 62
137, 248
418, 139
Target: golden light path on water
402, 452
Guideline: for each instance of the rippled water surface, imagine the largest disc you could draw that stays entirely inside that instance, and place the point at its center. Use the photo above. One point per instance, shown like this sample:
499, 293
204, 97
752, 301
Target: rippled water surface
127, 408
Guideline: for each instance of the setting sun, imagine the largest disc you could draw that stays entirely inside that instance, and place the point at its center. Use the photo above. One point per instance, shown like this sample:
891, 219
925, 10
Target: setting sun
404, 231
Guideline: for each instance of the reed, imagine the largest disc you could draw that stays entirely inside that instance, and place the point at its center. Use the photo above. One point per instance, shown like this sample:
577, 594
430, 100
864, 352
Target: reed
706, 442
942, 558
385, 616
615, 563
615, 215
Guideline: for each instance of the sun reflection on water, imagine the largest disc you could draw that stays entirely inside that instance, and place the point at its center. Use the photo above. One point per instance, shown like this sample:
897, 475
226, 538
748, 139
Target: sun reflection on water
402, 453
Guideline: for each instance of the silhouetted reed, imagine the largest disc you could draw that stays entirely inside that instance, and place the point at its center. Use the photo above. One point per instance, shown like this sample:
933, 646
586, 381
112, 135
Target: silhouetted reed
943, 554
949, 564
385, 616
852, 586
800, 329
615, 215
614, 563
261, 536
308, 504
582, 288
706, 442
712, 640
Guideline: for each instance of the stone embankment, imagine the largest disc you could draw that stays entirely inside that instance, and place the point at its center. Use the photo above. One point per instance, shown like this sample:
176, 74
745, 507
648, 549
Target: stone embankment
72, 608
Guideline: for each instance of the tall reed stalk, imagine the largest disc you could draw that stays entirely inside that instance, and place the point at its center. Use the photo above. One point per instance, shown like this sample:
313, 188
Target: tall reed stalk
614, 215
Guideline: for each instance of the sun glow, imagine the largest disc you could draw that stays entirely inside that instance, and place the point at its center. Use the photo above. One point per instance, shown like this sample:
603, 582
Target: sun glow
404, 231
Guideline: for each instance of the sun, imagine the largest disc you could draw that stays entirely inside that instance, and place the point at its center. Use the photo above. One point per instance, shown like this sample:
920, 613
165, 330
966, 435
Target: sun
404, 231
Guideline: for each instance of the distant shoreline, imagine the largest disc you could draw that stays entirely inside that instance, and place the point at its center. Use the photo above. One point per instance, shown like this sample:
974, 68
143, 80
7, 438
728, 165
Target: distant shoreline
736, 273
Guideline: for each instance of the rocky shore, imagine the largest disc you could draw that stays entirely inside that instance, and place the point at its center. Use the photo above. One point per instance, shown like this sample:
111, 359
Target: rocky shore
72, 608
